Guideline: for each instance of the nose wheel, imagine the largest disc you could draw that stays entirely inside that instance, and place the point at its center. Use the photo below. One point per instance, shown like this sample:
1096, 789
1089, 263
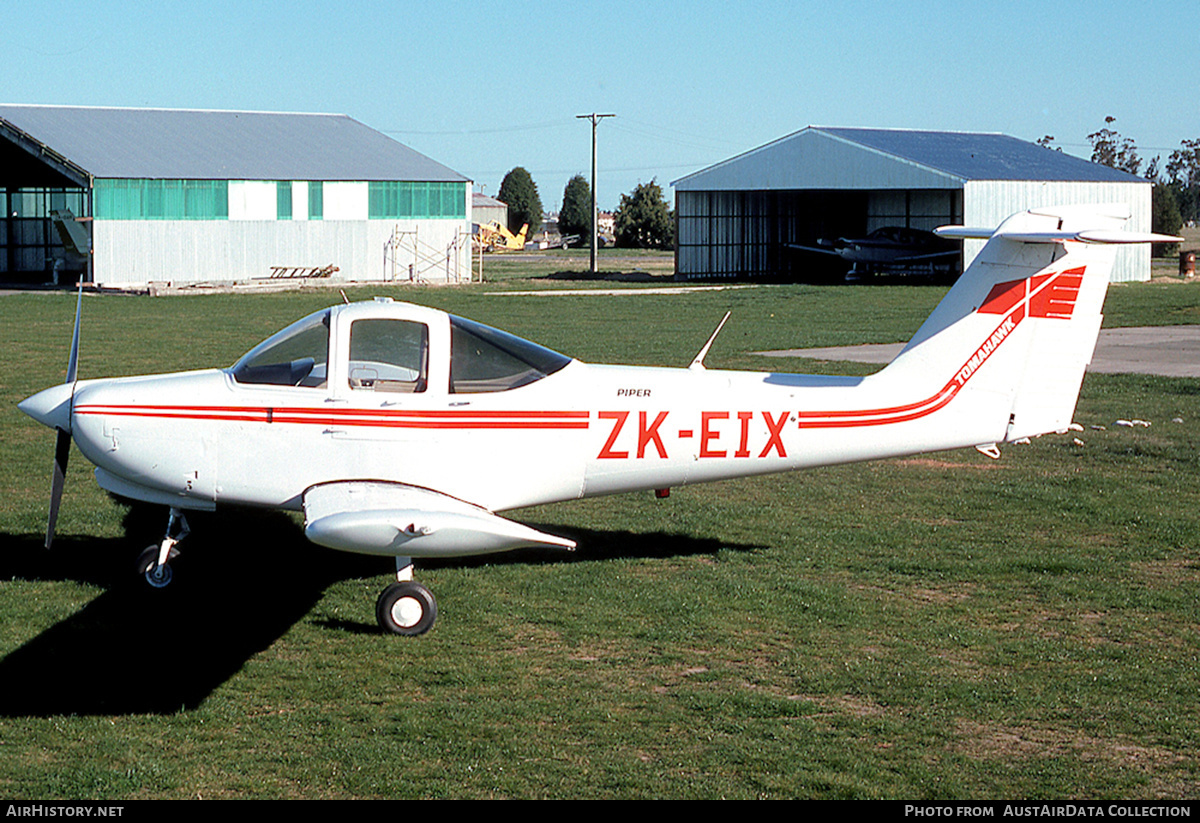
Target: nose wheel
153, 563
157, 575
406, 607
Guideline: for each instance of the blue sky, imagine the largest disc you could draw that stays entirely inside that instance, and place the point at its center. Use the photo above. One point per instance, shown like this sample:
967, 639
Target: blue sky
484, 87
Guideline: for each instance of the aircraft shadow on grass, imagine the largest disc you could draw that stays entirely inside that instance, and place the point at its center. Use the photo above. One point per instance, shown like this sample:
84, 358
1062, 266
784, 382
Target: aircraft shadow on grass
243, 579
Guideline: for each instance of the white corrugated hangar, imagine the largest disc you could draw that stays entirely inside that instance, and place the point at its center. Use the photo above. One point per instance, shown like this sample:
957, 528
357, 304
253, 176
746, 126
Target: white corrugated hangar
486, 210
744, 217
185, 196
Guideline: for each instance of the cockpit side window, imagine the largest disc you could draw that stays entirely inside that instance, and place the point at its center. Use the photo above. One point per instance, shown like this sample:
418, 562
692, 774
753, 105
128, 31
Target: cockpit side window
296, 356
483, 359
389, 355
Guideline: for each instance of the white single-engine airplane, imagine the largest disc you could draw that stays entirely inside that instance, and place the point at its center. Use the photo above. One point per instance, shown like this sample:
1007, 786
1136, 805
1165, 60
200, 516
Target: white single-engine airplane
891, 248
400, 430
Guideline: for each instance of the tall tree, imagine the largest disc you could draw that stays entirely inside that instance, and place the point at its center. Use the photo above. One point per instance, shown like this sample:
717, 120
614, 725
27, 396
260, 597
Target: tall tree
1183, 176
576, 214
643, 220
520, 193
1164, 217
1111, 149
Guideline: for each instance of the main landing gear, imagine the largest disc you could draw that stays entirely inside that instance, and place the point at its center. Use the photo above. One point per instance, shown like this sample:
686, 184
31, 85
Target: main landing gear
406, 607
154, 563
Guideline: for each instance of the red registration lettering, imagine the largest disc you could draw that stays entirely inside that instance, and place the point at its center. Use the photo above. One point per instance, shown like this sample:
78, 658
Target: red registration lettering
707, 435
649, 434
774, 431
606, 451
744, 443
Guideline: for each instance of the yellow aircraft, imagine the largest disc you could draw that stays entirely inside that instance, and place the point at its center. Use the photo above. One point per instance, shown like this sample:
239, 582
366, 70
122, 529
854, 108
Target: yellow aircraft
496, 237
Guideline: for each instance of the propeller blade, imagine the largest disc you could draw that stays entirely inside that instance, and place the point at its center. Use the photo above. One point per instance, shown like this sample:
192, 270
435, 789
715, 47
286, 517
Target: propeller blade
73, 362
62, 445
62, 450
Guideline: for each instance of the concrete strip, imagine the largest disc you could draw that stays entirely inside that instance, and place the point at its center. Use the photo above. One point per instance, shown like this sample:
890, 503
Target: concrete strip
1169, 351
611, 292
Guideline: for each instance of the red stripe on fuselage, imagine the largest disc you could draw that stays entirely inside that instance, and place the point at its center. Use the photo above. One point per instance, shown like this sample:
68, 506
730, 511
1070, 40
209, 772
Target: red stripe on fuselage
1049, 295
383, 418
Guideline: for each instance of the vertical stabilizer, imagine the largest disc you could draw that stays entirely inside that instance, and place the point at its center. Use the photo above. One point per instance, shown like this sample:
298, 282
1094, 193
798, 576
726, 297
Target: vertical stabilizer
1011, 340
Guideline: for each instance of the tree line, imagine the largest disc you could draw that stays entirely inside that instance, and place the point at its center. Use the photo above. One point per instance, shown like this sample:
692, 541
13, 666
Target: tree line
1175, 197
642, 220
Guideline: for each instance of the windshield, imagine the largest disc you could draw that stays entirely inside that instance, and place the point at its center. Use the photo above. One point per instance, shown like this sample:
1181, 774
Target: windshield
483, 359
296, 356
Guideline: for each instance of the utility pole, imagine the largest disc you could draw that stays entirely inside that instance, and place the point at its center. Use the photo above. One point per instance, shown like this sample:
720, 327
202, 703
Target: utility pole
595, 118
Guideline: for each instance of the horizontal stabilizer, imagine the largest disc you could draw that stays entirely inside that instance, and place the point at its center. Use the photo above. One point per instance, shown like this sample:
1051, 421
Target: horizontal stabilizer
394, 519
964, 233
1014, 230
1101, 236
1086, 236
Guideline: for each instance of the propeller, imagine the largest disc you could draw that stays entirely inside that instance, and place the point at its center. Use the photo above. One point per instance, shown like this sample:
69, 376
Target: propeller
62, 446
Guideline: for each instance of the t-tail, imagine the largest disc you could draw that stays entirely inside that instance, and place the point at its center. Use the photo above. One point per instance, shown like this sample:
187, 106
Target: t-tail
1003, 355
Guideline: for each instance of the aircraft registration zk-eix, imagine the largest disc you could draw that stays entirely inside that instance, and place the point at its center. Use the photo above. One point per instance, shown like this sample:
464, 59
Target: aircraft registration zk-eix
400, 430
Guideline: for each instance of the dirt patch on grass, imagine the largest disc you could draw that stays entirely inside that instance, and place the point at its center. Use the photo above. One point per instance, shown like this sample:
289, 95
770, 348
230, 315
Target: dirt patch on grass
1169, 572
921, 594
932, 463
1166, 770
846, 704
937, 522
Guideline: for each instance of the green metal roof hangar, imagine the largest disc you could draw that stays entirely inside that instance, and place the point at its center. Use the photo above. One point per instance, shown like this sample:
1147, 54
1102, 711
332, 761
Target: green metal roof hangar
178, 196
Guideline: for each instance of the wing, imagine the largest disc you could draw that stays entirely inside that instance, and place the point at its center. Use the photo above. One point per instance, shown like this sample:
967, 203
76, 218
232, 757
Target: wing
817, 249
395, 519
910, 258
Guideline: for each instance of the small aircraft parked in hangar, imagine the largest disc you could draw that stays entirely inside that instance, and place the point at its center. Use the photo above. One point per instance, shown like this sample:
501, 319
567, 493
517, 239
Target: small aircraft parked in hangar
891, 248
400, 430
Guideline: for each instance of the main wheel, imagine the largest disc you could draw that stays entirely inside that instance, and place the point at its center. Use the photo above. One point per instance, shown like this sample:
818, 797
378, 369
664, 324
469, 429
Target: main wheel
158, 577
406, 608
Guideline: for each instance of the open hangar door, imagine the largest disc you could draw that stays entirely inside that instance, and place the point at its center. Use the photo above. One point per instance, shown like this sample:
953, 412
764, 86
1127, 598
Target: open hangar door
884, 233
37, 191
734, 234
791, 235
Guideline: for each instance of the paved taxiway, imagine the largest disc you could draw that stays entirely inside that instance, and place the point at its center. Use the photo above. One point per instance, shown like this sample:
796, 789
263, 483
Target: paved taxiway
1170, 351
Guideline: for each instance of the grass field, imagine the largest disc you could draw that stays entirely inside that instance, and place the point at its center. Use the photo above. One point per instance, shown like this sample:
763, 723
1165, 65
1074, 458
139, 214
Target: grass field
945, 626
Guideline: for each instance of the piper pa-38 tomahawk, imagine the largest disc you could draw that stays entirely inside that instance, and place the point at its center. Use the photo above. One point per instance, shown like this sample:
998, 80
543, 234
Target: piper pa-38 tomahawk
400, 430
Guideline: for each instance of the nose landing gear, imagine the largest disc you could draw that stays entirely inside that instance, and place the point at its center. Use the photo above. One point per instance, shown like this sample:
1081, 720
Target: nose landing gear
154, 561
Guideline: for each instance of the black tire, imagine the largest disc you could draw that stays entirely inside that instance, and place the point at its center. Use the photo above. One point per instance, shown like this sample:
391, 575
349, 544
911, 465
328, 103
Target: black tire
146, 562
406, 608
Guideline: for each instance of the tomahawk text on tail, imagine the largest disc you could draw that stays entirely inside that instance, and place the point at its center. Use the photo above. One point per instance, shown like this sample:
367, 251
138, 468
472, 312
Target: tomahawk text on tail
400, 430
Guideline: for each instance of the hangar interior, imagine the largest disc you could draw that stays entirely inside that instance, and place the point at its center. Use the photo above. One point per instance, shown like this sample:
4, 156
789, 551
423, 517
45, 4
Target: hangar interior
746, 216
30, 248
34, 184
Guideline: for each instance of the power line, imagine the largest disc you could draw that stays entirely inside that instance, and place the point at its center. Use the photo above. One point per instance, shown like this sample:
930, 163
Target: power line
468, 132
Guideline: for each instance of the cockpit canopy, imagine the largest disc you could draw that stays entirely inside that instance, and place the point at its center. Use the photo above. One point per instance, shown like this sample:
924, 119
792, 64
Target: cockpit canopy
483, 359
389, 352
295, 356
